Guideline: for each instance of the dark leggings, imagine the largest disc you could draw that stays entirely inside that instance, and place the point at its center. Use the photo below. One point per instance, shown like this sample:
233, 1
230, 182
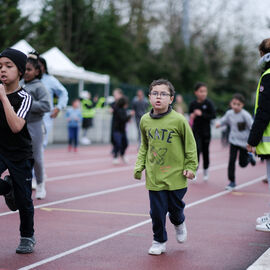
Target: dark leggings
203, 143
243, 160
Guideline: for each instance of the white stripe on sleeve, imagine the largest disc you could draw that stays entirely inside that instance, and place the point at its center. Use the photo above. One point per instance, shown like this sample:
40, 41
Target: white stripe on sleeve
26, 104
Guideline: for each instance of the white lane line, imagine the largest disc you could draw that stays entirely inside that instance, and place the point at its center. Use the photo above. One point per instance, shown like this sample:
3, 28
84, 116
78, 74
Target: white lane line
82, 161
98, 193
249, 183
103, 158
114, 170
109, 236
73, 250
220, 166
93, 173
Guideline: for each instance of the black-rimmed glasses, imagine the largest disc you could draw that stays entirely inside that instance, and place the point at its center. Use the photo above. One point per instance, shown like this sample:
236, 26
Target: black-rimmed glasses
161, 94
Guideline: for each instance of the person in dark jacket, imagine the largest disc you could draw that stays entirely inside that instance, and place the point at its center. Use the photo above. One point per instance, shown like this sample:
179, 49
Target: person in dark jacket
120, 119
140, 106
201, 112
117, 94
259, 137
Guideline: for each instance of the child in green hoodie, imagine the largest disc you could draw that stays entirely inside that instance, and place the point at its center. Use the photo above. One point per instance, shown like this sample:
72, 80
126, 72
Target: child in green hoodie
169, 156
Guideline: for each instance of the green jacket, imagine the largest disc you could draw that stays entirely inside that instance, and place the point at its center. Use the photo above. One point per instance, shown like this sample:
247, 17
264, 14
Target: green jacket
167, 149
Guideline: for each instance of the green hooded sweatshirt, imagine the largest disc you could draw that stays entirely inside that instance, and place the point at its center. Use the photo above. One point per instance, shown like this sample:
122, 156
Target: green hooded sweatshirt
167, 149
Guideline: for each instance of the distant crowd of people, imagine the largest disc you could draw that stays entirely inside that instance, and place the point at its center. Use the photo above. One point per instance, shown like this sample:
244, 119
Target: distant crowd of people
172, 136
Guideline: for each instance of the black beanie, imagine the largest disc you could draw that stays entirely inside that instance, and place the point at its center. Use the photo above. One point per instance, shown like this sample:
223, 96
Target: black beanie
17, 57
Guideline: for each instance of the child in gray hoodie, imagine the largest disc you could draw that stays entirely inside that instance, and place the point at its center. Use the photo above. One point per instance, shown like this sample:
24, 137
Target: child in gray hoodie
240, 121
41, 104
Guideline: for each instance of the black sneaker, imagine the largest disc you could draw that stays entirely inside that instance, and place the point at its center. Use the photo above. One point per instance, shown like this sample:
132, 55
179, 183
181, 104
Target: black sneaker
9, 198
251, 159
265, 181
231, 186
26, 245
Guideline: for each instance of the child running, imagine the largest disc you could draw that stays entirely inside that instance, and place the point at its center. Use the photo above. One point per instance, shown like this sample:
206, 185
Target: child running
41, 105
201, 112
120, 119
168, 155
74, 118
15, 145
239, 121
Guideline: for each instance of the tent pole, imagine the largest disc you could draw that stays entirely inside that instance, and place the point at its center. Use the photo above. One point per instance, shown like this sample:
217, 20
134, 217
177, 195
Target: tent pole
81, 86
106, 91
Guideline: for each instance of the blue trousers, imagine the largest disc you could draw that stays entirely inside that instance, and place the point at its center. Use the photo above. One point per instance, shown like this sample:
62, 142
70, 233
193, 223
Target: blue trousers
21, 174
162, 202
73, 136
120, 143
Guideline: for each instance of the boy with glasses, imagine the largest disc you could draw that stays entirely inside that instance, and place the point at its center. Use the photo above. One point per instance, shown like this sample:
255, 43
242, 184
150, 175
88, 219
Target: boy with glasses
168, 155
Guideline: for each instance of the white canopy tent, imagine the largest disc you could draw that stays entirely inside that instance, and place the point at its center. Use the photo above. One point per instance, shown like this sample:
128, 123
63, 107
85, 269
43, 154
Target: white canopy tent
61, 66
23, 46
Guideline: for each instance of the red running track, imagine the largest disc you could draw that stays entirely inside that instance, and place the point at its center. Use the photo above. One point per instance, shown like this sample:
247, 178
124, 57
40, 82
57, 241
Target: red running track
96, 217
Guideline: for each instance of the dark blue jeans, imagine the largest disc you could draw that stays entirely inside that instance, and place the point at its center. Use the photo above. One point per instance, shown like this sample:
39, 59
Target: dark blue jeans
21, 174
162, 202
120, 143
73, 136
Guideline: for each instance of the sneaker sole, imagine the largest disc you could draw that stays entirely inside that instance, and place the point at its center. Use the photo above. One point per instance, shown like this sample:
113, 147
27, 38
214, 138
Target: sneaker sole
230, 188
156, 254
40, 197
262, 230
181, 241
24, 251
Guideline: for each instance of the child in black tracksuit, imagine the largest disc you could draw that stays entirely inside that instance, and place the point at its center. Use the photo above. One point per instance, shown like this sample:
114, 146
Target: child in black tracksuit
201, 113
120, 119
15, 145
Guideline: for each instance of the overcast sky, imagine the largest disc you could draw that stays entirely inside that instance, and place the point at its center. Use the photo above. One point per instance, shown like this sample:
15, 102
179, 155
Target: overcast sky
250, 15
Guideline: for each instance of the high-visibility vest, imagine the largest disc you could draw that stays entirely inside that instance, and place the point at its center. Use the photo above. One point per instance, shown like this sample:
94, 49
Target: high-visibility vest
86, 112
100, 102
263, 148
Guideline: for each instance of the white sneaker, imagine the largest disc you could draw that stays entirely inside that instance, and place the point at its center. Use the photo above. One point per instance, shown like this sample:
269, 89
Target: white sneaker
124, 159
41, 191
181, 232
265, 227
263, 219
34, 183
116, 161
205, 175
157, 248
85, 141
